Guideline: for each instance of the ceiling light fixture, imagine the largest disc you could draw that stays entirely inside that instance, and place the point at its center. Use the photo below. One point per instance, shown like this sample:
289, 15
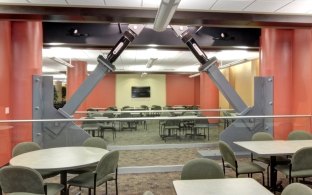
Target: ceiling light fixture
194, 75
237, 62
63, 62
164, 14
150, 62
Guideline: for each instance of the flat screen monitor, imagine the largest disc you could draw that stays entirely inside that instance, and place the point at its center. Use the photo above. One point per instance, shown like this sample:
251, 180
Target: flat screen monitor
140, 92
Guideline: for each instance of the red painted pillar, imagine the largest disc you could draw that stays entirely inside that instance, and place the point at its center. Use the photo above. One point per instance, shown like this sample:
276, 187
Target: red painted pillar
302, 77
209, 96
5, 97
75, 77
26, 62
276, 60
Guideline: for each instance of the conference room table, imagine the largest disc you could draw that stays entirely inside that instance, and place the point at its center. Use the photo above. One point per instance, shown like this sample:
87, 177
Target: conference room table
227, 186
272, 149
60, 159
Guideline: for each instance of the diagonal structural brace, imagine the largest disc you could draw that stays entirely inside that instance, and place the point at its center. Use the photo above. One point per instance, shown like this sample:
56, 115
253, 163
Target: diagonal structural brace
208, 65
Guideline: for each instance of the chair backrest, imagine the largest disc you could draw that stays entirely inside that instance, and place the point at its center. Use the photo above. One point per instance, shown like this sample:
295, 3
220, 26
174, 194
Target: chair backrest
299, 135
227, 154
21, 179
296, 189
24, 147
302, 159
202, 168
262, 136
95, 142
107, 165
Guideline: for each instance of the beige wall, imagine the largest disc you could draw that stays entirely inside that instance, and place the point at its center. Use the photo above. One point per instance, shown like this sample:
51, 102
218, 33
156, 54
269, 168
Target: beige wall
124, 82
241, 77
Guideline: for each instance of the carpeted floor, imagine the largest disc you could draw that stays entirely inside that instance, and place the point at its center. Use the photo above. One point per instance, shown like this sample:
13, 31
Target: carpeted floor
160, 183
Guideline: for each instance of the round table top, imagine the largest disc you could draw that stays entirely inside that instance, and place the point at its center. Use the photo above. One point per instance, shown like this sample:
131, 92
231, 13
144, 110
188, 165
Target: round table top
58, 159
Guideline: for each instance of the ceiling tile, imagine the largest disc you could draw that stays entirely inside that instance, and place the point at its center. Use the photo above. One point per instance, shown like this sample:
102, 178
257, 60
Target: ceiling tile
231, 5
87, 3
14, 1
48, 2
196, 4
123, 3
297, 7
267, 5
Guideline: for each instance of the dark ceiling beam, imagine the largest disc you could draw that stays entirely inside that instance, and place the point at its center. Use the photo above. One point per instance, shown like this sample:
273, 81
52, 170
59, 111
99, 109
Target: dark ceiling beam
107, 15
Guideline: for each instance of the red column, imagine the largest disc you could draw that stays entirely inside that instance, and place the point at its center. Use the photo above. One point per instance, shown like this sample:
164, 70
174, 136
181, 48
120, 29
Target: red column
5, 74
209, 96
276, 60
26, 62
75, 77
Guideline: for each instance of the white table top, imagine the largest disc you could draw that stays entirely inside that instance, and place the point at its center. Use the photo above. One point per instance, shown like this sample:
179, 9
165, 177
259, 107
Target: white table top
228, 186
274, 147
57, 159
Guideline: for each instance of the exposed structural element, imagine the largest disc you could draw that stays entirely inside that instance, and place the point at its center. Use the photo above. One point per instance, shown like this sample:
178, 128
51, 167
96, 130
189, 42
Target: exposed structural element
241, 129
53, 134
63, 62
150, 62
164, 14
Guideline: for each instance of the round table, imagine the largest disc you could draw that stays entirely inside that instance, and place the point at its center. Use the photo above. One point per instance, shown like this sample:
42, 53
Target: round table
60, 159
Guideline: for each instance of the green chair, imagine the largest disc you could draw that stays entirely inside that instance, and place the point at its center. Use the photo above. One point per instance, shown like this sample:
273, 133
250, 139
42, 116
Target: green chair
264, 136
299, 135
241, 168
297, 189
105, 171
300, 166
24, 147
90, 142
24, 180
201, 168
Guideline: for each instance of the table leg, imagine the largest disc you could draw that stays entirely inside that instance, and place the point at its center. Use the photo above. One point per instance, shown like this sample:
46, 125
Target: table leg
273, 173
64, 182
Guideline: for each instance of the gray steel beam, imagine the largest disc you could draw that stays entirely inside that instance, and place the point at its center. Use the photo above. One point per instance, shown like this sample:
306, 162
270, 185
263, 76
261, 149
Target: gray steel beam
87, 86
224, 86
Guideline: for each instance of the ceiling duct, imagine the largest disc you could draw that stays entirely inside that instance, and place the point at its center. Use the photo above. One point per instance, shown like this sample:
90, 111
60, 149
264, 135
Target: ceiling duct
164, 14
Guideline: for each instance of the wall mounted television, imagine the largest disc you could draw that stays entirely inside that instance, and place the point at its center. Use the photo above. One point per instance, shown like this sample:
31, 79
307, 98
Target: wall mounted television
141, 92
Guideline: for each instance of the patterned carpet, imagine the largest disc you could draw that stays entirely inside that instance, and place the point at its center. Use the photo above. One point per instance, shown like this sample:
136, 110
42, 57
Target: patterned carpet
158, 183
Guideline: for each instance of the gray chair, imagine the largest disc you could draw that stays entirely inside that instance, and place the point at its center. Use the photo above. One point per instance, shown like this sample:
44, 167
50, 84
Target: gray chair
105, 171
264, 136
90, 142
299, 135
300, 166
22, 180
297, 189
24, 147
242, 168
91, 127
201, 168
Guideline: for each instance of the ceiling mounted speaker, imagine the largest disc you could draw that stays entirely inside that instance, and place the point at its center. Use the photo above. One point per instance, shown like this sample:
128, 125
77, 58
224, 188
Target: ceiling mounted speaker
164, 14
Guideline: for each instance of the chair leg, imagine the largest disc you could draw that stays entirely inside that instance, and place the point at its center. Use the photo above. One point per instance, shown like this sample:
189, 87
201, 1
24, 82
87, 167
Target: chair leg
89, 191
116, 186
262, 178
106, 187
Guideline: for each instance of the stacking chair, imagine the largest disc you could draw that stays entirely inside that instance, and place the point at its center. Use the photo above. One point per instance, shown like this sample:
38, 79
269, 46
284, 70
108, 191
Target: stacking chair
170, 128
201, 124
91, 127
108, 125
90, 142
264, 136
24, 147
241, 168
130, 124
24, 180
300, 166
299, 135
105, 171
296, 189
201, 168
